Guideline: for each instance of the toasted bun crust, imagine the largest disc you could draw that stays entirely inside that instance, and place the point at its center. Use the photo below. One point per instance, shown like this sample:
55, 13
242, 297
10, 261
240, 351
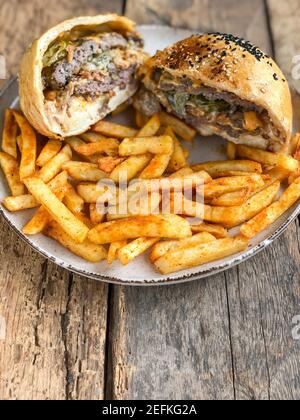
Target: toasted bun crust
41, 113
231, 64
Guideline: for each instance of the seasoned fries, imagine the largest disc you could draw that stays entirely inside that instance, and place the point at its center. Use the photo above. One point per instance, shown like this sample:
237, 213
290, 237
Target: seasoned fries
129, 252
58, 211
161, 248
21, 202
84, 171
86, 201
181, 259
268, 158
95, 216
178, 159
156, 168
150, 128
217, 231
113, 251
49, 151
234, 216
54, 166
231, 151
9, 137
109, 129
105, 145
231, 199
73, 201
162, 226
11, 171
130, 168
270, 214
29, 147
108, 163
222, 168
143, 145
179, 127
86, 250
231, 184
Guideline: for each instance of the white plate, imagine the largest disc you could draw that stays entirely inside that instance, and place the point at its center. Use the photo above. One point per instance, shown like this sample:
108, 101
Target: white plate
140, 272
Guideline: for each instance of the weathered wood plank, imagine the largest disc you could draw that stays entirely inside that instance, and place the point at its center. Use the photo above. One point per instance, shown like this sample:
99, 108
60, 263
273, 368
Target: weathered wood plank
56, 322
189, 347
229, 16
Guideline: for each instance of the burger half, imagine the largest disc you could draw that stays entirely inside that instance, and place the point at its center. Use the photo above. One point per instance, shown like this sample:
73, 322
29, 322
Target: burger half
223, 85
78, 72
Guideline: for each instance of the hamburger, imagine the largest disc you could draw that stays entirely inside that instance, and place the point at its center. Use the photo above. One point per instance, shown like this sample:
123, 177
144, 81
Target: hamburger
220, 84
78, 72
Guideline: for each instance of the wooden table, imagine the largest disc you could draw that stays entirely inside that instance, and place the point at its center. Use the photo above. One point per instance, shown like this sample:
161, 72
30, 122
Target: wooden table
227, 337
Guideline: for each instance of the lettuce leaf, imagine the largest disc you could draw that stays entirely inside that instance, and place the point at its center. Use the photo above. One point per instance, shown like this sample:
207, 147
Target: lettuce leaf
57, 52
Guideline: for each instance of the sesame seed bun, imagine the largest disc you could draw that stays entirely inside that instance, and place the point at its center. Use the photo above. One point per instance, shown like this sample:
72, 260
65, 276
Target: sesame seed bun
230, 64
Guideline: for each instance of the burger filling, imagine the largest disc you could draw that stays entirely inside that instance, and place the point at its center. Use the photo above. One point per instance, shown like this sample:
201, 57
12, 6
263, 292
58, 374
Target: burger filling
200, 105
91, 66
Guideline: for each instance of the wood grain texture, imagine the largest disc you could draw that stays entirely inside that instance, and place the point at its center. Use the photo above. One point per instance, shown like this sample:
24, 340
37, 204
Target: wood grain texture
22, 22
229, 336
56, 322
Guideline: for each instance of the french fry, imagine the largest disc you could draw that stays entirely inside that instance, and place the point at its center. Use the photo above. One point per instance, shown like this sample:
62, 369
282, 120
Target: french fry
156, 167
41, 218
292, 177
270, 214
179, 127
161, 248
231, 150
113, 251
29, 147
288, 163
135, 248
182, 172
27, 201
217, 231
129, 169
91, 137
151, 128
268, 158
105, 145
137, 205
231, 199
277, 174
294, 145
49, 151
84, 171
140, 119
142, 145
92, 193
222, 168
231, 184
74, 142
110, 129
193, 256
179, 204
54, 166
233, 216
9, 138
178, 159
86, 250
19, 143
21, 202
95, 216
58, 211
160, 226
73, 201
108, 163
10, 168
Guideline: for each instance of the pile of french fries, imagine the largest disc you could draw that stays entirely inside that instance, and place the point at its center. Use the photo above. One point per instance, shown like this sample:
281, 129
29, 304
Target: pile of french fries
60, 180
